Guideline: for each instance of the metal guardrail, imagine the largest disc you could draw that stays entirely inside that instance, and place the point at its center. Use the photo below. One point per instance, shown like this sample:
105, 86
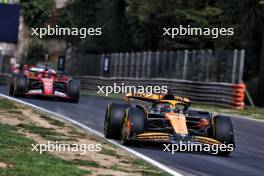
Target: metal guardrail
221, 94
204, 76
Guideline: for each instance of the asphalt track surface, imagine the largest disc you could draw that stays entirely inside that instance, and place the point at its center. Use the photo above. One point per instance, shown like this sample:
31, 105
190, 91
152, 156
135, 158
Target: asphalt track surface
246, 160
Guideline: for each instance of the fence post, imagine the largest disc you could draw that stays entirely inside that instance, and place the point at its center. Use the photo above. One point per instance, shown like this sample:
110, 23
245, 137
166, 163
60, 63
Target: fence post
208, 59
149, 64
121, 65
203, 62
144, 65
112, 70
102, 65
178, 70
139, 64
234, 66
185, 64
241, 65
132, 64
194, 74
126, 65
157, 63
170, 68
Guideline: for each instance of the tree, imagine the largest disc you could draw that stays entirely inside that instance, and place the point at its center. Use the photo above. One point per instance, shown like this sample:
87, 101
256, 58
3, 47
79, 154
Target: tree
260, 97
148, 17
107, 14
36, 12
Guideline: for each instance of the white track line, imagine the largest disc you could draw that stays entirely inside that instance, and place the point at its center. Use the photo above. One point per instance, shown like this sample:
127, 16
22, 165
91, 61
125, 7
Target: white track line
101, 135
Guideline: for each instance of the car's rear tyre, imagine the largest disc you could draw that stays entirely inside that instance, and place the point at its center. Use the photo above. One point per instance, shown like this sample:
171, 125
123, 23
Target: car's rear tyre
114, 120
20, 85
223, 132
74, 90
133, 124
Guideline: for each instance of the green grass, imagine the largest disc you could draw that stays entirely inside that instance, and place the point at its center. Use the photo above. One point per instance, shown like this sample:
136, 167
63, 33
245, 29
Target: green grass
52, 121
15, 150
148, 169
86, 163
6, 104
110, 152
9, 107
77, 133
118, 168
46, 133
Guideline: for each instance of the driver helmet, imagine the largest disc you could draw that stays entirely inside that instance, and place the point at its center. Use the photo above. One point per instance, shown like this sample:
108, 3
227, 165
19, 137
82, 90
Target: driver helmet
164, 107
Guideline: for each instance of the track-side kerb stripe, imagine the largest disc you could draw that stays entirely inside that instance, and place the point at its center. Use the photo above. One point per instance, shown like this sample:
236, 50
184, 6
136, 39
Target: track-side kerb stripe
101, 135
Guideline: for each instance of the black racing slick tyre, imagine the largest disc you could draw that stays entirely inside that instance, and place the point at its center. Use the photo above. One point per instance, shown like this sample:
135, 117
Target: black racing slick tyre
223, 132
74, 90
20, 85
114, 120
133, 124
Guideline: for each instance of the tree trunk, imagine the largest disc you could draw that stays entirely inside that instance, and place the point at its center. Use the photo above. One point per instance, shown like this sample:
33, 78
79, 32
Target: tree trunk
260, 93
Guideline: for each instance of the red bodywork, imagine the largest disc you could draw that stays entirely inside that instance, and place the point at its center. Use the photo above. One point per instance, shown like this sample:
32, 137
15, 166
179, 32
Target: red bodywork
46, 82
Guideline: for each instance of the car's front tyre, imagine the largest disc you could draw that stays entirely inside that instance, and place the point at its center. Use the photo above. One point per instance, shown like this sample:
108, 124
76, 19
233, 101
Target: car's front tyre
74, 90
114, 120
133, 124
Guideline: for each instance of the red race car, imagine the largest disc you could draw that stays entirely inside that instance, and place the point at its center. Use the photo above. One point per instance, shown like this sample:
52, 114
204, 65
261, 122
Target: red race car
44, 81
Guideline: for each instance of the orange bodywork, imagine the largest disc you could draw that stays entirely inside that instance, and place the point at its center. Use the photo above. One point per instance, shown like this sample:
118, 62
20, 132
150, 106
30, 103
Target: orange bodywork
154, 97
178, 123
177, 120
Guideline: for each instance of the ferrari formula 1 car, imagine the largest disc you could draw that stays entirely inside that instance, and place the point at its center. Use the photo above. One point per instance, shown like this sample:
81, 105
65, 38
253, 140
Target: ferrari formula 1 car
166, 119
44, 81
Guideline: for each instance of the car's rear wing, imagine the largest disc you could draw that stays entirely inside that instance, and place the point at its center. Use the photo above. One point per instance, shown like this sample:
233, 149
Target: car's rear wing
156, 97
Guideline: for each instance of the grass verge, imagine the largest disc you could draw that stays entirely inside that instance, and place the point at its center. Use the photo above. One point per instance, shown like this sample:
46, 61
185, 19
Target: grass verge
18, 131
16, 152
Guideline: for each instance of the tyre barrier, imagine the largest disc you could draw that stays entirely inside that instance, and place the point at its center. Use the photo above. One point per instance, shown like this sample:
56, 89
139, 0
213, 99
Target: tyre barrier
220, 94
239, 95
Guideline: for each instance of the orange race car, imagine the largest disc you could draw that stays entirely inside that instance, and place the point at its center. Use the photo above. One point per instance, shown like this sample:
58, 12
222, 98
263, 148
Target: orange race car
166, 119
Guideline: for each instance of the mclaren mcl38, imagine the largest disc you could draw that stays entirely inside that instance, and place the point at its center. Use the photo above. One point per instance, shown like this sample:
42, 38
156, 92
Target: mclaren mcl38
166, 119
